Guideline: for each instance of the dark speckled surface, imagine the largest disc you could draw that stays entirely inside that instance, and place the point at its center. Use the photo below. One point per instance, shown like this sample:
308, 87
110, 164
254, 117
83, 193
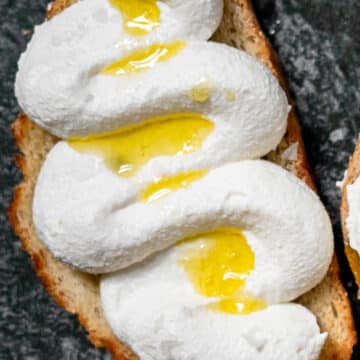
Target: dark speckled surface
319, 47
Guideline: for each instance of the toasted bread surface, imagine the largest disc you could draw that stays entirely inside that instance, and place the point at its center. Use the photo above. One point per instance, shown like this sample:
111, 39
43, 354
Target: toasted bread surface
352, 174
79, 293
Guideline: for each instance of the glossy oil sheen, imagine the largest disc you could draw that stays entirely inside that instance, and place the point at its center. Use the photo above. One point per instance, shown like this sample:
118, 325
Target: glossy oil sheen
201, 92
144, 58
167, 185
127, 149
139, 16
218, 263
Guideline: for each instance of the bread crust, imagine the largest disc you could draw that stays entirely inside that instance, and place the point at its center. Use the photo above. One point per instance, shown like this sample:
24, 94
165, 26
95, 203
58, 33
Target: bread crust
353, 172
78, 293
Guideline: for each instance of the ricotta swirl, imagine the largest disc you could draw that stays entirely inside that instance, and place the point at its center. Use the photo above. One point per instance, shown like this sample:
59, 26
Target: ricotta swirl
162, 132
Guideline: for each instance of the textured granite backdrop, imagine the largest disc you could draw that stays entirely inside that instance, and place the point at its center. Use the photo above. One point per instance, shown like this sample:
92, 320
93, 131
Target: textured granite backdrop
319, 47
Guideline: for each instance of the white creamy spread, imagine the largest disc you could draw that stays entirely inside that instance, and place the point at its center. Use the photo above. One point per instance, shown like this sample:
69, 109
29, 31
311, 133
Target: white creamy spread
154, 308
353, 219
63, 91
94, 219
97, 223
58, 85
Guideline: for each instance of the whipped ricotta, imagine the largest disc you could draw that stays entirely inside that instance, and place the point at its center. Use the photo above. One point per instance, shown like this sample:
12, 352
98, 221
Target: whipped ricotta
96, 220
97, 223
353, 219
153, 308
58, 83
64, 91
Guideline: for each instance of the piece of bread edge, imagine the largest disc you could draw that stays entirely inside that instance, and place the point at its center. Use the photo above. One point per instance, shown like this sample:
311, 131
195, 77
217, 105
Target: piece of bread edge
78, 292
353, 172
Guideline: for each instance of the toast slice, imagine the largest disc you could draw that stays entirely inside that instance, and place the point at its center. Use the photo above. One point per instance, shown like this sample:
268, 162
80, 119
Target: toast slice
79, 293
352, 174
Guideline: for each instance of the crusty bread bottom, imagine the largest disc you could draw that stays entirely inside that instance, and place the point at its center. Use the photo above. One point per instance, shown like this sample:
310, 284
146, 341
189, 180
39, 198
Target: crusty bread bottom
353, 173
79, 293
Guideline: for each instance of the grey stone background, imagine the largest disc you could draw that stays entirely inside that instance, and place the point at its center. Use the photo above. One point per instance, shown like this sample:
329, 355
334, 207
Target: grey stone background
319, 47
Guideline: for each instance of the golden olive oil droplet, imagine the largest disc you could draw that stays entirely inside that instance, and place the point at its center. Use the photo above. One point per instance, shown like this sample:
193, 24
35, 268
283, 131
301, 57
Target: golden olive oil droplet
144, 58
230, 95
166, 185
218, 263
127, 149
202, 90
139, 16
242, 303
